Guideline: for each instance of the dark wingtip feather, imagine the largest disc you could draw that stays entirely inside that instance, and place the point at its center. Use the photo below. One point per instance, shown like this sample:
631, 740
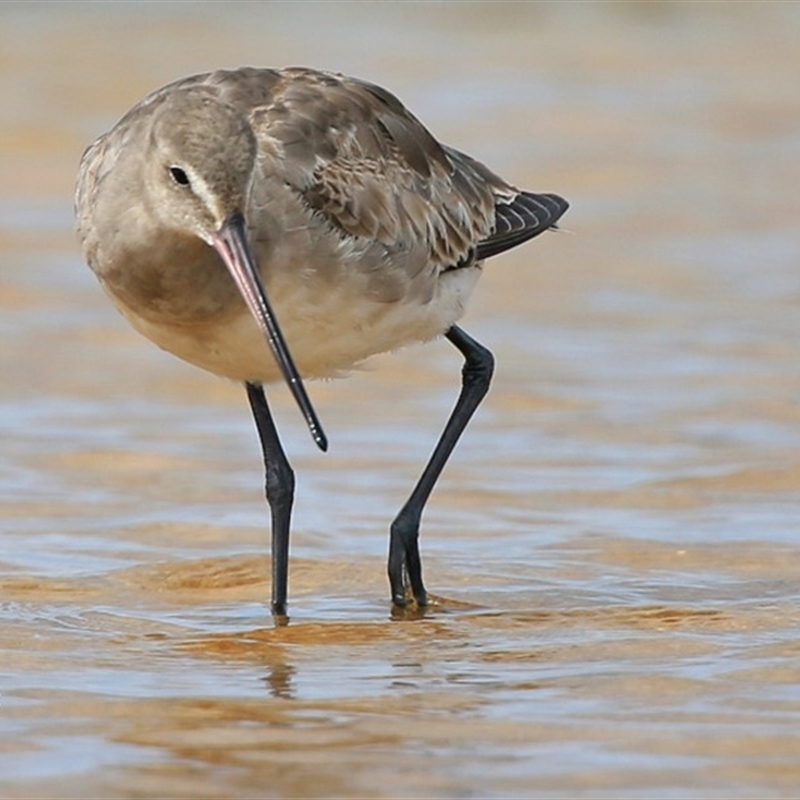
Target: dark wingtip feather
526, 216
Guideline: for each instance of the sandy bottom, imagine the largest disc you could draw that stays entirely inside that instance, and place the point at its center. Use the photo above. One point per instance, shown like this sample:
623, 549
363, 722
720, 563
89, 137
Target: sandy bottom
613, 550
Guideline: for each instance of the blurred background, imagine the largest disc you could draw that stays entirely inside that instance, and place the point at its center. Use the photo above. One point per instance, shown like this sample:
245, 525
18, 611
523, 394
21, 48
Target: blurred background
614, 544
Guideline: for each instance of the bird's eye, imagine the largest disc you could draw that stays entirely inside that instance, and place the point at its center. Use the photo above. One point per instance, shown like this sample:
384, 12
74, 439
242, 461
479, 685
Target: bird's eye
179, 176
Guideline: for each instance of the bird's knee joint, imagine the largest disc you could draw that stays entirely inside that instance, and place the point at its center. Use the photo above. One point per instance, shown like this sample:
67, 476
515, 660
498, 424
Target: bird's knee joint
479, 367
279, 485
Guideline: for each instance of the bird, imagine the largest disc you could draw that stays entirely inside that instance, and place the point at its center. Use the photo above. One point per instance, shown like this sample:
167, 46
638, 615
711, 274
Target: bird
269, 224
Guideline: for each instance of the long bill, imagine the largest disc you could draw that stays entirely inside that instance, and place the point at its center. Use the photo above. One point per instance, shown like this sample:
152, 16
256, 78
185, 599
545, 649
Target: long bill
231, 244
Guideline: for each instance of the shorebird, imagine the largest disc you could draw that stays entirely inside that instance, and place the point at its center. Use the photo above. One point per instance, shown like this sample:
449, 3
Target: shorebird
226, 202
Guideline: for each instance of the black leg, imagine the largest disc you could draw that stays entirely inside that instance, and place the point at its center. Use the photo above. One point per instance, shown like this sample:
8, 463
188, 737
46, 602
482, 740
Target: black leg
280, 494
404, 560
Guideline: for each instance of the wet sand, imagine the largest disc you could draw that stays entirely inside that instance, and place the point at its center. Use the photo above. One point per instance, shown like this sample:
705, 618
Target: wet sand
614, 547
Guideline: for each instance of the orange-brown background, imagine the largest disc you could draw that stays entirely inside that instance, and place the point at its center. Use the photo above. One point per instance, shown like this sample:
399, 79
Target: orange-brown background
615, 541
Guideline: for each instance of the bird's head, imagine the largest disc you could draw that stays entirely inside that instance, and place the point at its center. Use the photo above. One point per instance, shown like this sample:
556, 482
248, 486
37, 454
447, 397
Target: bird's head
203, 158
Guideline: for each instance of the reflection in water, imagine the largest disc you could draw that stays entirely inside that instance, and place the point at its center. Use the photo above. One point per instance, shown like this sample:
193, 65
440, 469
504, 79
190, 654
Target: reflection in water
614, 546
279, 680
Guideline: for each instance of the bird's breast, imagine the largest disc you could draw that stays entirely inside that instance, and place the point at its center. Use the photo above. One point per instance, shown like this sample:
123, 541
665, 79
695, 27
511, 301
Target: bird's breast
181, 283
337, 302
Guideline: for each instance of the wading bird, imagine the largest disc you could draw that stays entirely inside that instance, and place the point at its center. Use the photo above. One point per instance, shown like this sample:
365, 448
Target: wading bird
226, 203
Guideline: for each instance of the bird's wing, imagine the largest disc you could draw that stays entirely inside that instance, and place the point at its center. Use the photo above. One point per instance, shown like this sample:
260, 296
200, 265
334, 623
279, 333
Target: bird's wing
520, 218
367, 165
360, 159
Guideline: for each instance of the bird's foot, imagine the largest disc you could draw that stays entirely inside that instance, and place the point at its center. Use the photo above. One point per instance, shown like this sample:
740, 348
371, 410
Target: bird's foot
411, 600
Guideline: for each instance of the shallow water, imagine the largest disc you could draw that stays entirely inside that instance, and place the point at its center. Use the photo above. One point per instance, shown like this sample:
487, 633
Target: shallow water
613, 548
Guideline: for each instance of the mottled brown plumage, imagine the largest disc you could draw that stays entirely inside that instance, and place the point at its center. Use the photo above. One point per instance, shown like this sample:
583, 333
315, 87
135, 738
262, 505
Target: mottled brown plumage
228, 202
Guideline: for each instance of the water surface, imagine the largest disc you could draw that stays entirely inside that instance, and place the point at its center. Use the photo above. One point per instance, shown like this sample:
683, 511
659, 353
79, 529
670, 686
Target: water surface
613, 549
